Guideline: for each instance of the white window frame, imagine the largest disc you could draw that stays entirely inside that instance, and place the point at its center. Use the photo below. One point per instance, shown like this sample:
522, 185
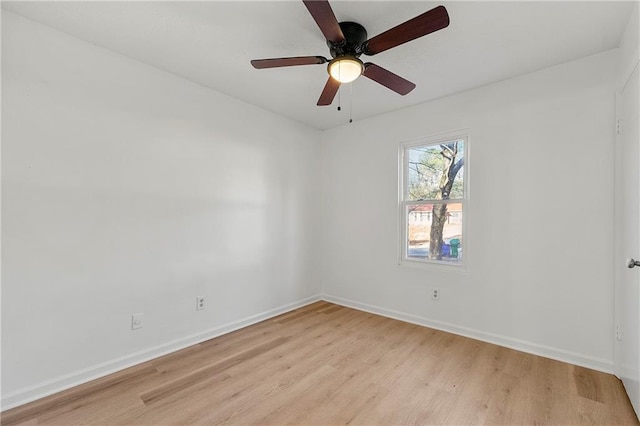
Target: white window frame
403, 259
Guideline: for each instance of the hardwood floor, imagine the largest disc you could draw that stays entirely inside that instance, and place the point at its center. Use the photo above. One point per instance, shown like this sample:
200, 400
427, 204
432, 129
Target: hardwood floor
325, 364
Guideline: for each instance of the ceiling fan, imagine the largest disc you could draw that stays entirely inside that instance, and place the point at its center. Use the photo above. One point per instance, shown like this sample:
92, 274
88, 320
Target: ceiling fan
348, 40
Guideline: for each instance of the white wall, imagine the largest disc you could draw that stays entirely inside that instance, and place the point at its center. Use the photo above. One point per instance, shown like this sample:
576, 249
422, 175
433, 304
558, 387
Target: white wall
126, 189
540, 240
630, 46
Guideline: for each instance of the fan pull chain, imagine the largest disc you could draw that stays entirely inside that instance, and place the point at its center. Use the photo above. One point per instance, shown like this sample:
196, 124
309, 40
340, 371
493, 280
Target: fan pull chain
339, 89
350, 101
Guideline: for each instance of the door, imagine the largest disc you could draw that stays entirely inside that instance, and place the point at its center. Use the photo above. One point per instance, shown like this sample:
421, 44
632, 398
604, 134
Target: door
627, 285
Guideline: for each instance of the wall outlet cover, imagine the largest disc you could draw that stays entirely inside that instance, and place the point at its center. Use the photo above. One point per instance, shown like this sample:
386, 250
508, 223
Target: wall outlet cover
199, 303
136, 321
435, 294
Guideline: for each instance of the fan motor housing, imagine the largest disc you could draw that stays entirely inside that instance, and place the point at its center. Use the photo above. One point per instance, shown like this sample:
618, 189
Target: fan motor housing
355, 35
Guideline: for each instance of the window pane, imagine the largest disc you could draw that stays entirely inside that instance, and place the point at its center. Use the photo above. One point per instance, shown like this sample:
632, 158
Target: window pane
434, 232
430, 168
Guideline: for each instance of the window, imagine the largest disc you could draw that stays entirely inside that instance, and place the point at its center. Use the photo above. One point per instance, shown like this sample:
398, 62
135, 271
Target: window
432, 200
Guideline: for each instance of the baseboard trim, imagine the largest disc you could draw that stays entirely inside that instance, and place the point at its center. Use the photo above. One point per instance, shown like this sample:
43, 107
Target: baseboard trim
594, 363
50, 387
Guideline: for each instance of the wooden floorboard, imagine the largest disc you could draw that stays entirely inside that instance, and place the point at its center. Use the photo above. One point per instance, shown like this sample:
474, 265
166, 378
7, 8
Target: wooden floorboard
325, 364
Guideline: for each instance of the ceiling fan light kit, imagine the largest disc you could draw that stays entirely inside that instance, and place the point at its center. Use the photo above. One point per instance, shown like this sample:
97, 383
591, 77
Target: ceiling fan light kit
345, 69
347, 41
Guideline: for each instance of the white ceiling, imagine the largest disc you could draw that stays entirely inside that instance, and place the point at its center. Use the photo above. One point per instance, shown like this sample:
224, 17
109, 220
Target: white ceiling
212, 42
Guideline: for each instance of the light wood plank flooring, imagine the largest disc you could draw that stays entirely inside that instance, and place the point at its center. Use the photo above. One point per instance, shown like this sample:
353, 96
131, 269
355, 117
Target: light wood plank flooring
325, 364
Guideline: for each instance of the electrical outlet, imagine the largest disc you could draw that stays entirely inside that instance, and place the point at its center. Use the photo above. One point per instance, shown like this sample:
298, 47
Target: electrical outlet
199, 303
435, 294
136, 321
618, 333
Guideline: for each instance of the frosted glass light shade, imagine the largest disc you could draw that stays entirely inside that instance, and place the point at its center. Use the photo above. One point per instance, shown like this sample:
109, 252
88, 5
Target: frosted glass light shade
345, 69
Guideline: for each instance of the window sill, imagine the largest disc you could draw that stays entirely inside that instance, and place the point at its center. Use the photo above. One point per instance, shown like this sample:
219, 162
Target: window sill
434, 265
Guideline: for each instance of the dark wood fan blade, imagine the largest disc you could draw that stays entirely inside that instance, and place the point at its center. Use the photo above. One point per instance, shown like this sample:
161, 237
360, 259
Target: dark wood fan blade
433, 20
329, 92
322, 13
288, 62
388, 79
